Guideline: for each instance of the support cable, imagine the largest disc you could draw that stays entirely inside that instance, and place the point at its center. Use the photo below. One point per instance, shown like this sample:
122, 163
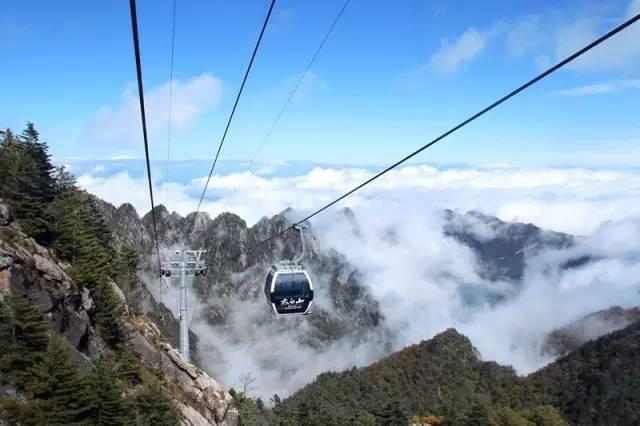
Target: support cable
136, 45
224, 135
503, 99
233, 111
293, 92
166, 175
173, 41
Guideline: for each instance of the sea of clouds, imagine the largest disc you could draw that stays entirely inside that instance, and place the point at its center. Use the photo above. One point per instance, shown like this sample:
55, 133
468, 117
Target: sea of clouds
418, 275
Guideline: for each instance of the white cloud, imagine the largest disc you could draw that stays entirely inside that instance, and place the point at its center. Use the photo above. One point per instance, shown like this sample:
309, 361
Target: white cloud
524, 35
569, 200
421, 291
100, 168
611, 86
551, 37
120, 126
452, 56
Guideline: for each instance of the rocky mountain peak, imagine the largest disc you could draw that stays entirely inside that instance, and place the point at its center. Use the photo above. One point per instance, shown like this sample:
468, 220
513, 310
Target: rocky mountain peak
573, 335
126, 210
161, 212
502, 247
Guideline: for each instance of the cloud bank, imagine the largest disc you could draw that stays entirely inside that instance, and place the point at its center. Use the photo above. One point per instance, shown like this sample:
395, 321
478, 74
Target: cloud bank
120, 126
572, 200
423, 280
549, 37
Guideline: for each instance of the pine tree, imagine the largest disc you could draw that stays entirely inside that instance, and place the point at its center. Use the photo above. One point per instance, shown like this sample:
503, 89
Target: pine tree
107, 407
57, 389
9, 164
128, 366
38, 151
153, 407
126, 269
110, 316
26, 181
23, 332
85, 241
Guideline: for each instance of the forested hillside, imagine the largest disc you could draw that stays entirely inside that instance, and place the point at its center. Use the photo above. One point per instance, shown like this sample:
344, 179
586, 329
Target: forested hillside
79, 345
441, 381
598, 383
69, 347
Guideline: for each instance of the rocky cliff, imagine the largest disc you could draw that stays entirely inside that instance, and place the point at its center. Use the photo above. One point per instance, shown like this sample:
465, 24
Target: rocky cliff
30, 269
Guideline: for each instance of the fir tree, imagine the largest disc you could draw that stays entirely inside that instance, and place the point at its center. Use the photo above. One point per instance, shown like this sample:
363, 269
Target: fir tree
57, 389
23, 333
107, 407
26, 181
127, 261
110, 316
128, 367
153, 407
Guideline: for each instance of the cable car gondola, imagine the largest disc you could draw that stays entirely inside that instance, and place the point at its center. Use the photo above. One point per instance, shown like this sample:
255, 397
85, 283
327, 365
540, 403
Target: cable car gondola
288, 288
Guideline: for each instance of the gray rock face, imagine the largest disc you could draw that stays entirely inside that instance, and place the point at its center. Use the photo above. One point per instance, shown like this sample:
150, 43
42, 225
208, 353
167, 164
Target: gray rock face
210, 403
128, 228
502, 248
29, 269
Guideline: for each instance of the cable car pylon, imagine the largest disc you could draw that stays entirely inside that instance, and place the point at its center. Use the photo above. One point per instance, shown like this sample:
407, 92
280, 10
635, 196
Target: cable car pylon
184, 263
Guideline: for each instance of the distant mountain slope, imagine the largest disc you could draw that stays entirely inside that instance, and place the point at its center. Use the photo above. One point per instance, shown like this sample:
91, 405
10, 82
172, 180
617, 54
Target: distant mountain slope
570, 337
441, 376
597, 384
501, 247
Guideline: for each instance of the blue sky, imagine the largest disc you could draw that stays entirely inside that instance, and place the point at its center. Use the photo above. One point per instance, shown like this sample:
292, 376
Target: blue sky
391, 76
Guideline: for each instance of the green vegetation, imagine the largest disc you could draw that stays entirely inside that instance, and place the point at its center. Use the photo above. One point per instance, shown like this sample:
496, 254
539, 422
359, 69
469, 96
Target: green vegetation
57, 390
252, 412
50, 208
41, 366
26, 181
24, 337
441, 382
154, 407
597, 384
